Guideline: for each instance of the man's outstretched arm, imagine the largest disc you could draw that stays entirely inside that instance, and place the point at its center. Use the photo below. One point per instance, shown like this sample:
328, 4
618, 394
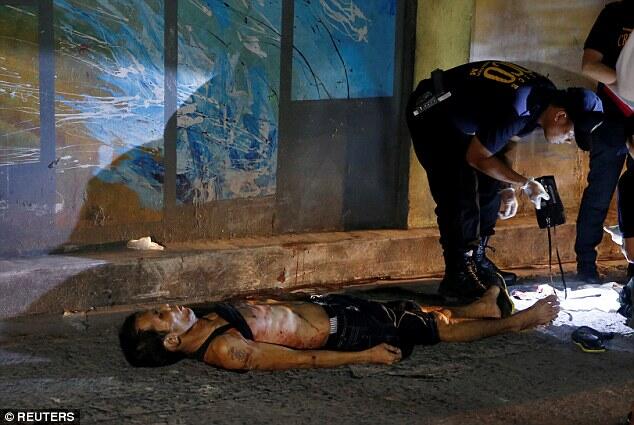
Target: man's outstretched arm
233, 352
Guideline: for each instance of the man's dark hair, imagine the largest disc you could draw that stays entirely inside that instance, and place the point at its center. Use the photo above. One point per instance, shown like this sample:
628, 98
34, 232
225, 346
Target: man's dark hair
584, 109
145, 348
558, 98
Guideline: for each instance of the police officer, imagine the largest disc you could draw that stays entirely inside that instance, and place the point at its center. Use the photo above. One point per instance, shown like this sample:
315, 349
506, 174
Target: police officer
460, 121
607, 150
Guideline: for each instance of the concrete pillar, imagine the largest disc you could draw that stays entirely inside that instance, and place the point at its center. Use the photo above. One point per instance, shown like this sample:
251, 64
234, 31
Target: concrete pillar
443, 40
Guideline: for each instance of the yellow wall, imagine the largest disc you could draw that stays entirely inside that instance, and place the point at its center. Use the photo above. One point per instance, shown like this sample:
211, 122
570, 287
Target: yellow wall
443, 40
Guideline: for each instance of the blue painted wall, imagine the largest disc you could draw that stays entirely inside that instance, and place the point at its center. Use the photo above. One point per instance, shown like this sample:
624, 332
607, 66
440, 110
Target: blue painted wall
228, 97
343, 49
108, 163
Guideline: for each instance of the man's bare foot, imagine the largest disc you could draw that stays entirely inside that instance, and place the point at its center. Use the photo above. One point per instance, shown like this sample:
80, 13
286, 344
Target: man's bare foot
540, 313
486, 307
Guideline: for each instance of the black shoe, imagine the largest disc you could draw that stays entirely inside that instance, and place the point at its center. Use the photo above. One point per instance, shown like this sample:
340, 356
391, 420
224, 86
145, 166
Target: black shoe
487, 268
630, 271
588, 274
462, 281
626, 299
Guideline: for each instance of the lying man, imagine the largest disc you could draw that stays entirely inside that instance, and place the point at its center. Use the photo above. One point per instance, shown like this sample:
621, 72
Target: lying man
326, 331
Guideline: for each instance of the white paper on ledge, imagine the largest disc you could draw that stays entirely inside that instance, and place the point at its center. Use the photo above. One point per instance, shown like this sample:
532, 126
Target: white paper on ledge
144, 244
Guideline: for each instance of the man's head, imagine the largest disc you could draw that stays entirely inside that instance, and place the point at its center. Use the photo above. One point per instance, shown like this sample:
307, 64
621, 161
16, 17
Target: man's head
152, 338
572, 114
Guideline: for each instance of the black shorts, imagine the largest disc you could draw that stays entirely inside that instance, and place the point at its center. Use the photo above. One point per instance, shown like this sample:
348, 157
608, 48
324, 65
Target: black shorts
358, 324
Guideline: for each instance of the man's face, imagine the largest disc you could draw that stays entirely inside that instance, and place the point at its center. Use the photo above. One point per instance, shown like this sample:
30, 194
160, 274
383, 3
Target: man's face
166, 318
558, 128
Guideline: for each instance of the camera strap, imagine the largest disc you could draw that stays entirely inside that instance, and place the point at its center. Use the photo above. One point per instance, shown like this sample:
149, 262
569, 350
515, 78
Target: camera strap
550, 259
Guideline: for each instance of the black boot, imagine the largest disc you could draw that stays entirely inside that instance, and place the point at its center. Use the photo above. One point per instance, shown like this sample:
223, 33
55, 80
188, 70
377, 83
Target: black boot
588, 273
630, 271
487, 270
461, 278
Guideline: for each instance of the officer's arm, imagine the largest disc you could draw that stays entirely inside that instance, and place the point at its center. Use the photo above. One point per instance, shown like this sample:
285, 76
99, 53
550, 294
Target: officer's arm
591, 66
480, 158
233, 352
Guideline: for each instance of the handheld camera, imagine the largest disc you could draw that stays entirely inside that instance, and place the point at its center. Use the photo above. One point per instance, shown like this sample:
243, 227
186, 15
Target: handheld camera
552, 212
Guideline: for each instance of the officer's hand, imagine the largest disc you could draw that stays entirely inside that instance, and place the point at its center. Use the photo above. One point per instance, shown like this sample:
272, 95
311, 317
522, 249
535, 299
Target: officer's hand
508, 204
535, 192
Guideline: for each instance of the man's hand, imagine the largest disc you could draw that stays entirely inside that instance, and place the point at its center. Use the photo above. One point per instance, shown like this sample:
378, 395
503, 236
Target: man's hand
508, 203
384, 354
535, 192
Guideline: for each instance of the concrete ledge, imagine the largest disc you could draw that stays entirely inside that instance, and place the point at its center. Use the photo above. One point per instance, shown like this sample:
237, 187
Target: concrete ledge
206, 271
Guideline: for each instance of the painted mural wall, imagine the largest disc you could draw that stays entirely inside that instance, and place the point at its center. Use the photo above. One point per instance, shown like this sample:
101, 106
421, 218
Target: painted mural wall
109, 113
111, 87
19, 86
341, 47
228, 97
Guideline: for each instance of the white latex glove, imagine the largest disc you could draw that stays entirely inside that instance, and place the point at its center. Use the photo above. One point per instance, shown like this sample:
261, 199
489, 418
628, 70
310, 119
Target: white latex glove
535, 192
508, 203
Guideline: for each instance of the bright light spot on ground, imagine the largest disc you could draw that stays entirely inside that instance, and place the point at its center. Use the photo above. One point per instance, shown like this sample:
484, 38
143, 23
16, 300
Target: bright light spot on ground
587, 305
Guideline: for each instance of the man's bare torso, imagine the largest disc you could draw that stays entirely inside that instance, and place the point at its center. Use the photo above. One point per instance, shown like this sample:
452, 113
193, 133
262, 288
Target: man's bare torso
299, 325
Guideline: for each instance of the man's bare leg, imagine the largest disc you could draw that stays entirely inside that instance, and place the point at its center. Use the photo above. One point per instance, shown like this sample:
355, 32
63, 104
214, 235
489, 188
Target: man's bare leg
483, 308
464, 330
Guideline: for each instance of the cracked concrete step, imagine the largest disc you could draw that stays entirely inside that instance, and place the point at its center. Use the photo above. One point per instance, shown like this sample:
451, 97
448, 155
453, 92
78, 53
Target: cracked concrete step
209, 270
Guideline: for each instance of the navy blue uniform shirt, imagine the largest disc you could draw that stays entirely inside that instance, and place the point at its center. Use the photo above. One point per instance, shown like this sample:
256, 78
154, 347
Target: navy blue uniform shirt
496, 100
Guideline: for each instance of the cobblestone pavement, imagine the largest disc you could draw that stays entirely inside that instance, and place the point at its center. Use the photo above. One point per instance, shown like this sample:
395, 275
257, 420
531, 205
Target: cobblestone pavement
525, 378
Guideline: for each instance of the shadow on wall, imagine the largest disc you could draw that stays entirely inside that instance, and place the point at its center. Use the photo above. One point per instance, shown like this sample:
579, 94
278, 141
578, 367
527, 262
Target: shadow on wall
561, 76
103, 90
213, 166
